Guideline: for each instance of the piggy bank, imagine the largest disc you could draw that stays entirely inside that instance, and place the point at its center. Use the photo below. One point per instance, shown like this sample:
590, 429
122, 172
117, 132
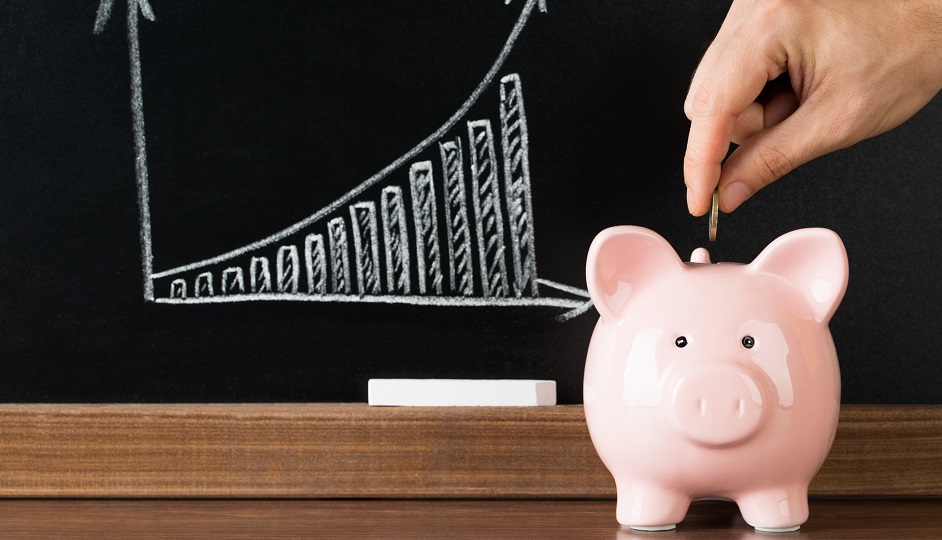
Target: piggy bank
711, 380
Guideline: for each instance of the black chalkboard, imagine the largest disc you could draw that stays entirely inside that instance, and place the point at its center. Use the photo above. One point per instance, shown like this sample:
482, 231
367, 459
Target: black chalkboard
257, 201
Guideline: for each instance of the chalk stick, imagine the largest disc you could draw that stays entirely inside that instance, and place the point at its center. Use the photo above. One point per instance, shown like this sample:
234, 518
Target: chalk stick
461, 392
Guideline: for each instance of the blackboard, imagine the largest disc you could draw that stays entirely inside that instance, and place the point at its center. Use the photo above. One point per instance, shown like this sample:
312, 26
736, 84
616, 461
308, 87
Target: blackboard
196, 198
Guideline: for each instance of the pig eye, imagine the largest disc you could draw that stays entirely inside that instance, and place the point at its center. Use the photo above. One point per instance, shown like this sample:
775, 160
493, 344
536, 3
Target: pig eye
748, 342
681, 342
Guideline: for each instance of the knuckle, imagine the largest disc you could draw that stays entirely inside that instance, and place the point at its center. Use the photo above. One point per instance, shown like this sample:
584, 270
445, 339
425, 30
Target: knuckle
771, 22
770, 14
693, 160
703, 101
691, 164
772, 164
697, 172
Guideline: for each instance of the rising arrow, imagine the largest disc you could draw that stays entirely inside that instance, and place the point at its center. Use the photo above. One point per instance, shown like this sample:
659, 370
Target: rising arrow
104, 12
137, 109
540, 4
137, 112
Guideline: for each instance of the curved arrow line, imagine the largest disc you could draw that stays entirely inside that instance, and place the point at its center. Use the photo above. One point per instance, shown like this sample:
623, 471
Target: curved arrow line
334, 206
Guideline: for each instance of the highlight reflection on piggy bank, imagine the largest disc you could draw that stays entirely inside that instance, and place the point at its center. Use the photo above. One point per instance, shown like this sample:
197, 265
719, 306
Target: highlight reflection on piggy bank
713, 380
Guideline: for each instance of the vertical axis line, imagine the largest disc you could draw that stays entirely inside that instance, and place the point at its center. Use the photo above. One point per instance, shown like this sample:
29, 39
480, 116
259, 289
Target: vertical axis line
140, 151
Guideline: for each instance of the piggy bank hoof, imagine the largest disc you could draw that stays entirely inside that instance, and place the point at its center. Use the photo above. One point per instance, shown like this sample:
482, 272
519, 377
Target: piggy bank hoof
654, 528
778, 529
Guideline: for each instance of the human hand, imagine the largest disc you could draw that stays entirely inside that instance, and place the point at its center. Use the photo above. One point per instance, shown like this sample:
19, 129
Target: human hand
853, 69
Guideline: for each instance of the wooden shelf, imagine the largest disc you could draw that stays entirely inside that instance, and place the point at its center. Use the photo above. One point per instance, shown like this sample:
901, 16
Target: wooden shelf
151, 519
353, 450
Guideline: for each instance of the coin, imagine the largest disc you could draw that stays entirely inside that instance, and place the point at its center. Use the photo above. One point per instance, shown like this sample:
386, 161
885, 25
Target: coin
714, 214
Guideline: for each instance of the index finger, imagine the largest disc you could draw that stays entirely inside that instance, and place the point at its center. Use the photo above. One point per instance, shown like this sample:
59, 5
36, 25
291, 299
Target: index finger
725, 91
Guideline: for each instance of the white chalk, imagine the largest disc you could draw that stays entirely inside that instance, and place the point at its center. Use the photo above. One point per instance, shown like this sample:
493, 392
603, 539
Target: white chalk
461, 392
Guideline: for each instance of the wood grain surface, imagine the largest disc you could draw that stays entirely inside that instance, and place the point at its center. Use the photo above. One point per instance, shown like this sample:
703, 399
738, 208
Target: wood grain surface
367, 519
353, 450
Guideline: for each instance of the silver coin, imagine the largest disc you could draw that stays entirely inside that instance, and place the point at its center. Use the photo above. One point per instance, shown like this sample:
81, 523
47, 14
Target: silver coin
714, 214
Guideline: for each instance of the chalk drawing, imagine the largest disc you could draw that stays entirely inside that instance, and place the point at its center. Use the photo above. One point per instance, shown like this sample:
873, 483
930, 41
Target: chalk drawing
287, 270
137, 123
438, 301
232, 281
366, 247
580, 307
489, 225
515, 144
428, 258
541, 3
326, 251
178, 289
395, 241
382, 174
460, 264
259, 275
315, 263
204, 285
339, 256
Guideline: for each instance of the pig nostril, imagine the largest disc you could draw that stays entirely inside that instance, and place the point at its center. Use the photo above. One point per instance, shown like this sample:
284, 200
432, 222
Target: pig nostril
715, 405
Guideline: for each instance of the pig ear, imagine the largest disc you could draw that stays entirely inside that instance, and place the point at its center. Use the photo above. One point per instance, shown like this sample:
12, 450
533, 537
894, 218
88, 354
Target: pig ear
622, 259
809, 262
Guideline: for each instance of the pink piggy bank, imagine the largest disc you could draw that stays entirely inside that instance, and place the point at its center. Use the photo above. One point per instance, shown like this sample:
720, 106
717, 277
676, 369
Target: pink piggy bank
713, 380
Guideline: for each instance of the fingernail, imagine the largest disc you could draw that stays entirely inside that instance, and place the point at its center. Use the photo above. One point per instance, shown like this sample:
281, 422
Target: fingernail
690, 201
734, 194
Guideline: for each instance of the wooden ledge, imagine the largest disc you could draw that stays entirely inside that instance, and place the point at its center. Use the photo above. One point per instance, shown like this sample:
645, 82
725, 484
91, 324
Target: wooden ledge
426, 518
353, 450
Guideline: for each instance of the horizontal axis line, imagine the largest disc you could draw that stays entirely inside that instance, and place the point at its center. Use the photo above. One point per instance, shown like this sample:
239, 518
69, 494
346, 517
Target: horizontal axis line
440, 301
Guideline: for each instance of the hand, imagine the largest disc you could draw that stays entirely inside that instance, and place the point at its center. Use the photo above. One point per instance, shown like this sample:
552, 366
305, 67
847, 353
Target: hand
853, 69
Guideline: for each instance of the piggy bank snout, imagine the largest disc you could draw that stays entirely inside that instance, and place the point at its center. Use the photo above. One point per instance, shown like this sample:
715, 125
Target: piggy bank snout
718, 405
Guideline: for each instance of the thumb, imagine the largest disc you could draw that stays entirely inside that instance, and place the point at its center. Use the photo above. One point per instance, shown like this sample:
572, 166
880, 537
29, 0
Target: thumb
770, 154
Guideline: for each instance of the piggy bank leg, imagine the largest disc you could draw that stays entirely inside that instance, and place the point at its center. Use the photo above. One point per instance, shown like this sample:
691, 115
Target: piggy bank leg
775, 510
649, 508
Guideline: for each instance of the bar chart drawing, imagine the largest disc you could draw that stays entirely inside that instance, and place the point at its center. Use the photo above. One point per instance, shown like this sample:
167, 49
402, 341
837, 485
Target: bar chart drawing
428, 254
515, 142
232, 282
461, 277
395, 241
365, 248
489, 224
315, 264
260, 279
412, 239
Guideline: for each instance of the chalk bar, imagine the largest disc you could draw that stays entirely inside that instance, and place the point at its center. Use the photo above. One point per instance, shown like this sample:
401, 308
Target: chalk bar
461, 392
